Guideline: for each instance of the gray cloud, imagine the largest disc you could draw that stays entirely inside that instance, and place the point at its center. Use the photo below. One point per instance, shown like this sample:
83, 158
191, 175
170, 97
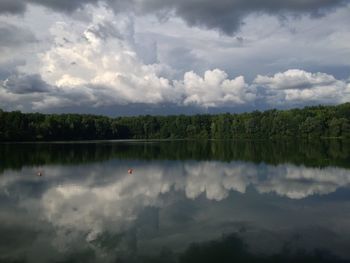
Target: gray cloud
19, 6
9, 68
12, 35
23, 84
116, 62
225, 15
64, 5
12, 6
188, 61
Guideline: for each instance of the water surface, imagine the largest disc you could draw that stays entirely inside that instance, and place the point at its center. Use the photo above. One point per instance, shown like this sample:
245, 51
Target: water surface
186, 201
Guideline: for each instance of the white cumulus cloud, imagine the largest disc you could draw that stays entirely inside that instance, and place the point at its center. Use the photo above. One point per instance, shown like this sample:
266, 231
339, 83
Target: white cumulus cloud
215, 89
100, 62
299, 86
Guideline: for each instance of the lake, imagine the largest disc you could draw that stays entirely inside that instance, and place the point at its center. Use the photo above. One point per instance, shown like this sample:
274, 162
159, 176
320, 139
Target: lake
184, 201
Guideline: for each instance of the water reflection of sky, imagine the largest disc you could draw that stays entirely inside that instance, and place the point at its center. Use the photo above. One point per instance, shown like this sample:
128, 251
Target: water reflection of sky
100, 207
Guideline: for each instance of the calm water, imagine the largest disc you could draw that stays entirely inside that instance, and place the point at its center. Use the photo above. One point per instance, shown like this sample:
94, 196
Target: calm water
215, 201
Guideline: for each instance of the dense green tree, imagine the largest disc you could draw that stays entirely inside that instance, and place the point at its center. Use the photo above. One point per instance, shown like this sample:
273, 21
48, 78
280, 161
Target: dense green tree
335, 127
310, 122
345, 128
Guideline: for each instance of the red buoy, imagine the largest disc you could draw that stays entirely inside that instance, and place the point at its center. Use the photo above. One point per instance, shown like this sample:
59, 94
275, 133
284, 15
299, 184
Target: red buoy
130, 171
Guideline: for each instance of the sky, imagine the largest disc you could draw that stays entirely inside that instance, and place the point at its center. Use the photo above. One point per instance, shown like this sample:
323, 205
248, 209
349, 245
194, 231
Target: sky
136, 57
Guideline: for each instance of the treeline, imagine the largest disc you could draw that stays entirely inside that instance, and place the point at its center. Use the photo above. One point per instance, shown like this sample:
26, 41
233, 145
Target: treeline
309, 122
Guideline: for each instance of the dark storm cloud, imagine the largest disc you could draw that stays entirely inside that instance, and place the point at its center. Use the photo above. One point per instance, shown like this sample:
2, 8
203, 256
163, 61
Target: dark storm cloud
19, 6
228, 15
12, 6
64, 5
224, 15
12, 35
10, 68
24, 84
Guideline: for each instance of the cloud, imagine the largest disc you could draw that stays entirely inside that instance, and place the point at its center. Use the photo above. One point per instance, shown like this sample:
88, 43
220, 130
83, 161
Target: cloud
223, 15
16, 43
188, 61
268, 46
9, 68
298, 86
108, 71
20, 6
214, 89
12, 6
296, 79
99, 63
228, 16
22, 84
64, 5
14, 36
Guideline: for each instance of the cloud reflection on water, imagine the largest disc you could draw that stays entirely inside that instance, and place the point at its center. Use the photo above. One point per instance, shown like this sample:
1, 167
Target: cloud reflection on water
104, 190
89, 200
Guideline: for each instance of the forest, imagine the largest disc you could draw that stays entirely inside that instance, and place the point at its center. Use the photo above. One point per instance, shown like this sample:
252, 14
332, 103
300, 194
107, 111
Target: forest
309, 122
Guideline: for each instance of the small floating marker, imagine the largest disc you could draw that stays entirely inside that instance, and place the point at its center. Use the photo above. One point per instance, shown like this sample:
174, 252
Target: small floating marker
130, 171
